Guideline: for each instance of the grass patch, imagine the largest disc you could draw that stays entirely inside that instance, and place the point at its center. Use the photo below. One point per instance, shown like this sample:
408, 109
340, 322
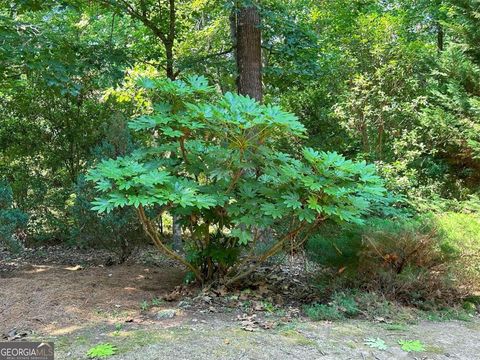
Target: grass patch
396, 327
446, 314
319, 312
362, 305
298, 339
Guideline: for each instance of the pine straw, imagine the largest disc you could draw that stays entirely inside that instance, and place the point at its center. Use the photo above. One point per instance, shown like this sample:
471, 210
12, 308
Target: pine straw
48, 298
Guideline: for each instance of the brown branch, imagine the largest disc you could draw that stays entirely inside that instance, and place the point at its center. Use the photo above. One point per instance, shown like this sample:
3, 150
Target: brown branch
276, 248
130, 10
184, 151
153, 235
261, 259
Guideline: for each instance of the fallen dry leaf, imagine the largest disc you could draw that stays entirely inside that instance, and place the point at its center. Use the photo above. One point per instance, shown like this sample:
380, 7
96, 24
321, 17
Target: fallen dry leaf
74, 268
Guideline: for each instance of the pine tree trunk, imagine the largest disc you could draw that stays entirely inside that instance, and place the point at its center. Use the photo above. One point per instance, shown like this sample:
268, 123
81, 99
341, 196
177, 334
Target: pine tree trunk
249, 53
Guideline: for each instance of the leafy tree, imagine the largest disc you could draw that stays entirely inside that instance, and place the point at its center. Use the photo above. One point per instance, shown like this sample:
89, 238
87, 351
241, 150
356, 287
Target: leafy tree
52, 111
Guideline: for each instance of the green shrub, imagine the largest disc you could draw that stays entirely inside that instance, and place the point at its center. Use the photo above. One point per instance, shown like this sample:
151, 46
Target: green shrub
319, 312
13, 221
342, 305
357, 303
461, 232
215, 163
414, 261
118, 230
336, 247
346, 303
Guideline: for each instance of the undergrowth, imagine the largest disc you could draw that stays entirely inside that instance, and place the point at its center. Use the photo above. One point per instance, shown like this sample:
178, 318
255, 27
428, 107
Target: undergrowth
374, 307
427, 262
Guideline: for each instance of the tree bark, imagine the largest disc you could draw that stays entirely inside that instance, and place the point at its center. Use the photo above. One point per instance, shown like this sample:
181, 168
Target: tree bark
249, 53
176, 233
169, 58
440, 37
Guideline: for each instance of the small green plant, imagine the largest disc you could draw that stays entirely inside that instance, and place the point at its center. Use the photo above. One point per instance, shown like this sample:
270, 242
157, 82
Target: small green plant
450, 313
323, 312
411, 345
118, 328
268, 306
101, 351
346, 303
156, 302
342, 305
376, 343
144, 305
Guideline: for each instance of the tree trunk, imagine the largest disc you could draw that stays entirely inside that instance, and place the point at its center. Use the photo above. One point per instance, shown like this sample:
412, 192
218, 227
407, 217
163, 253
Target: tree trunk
249, 53
176, 233
169, 58
440, 37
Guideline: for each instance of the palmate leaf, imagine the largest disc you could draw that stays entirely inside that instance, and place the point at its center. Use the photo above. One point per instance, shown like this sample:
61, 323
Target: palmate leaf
152, 178
243, 236
311, 155
102, 351
103, 185
248, 220
248, 190
146, 83
148, 122
313, 203
307, 215
312, 183
118, 199
411, 345
168, 131
292, 201
199, 84
272, 210
205, 201
376, 343
142, 123
137, 200
286, 119
162, 108
101, 205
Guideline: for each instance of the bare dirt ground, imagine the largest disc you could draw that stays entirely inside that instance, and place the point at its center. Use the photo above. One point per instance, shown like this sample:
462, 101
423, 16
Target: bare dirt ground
48, 298
80, 307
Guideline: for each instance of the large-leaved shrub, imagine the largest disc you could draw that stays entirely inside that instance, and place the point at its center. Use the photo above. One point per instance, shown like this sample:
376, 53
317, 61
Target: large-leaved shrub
214, 161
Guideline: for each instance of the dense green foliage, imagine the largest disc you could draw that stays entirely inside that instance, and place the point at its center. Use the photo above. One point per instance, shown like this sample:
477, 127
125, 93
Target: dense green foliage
118, 230
216, 164
394, 83
13, 221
